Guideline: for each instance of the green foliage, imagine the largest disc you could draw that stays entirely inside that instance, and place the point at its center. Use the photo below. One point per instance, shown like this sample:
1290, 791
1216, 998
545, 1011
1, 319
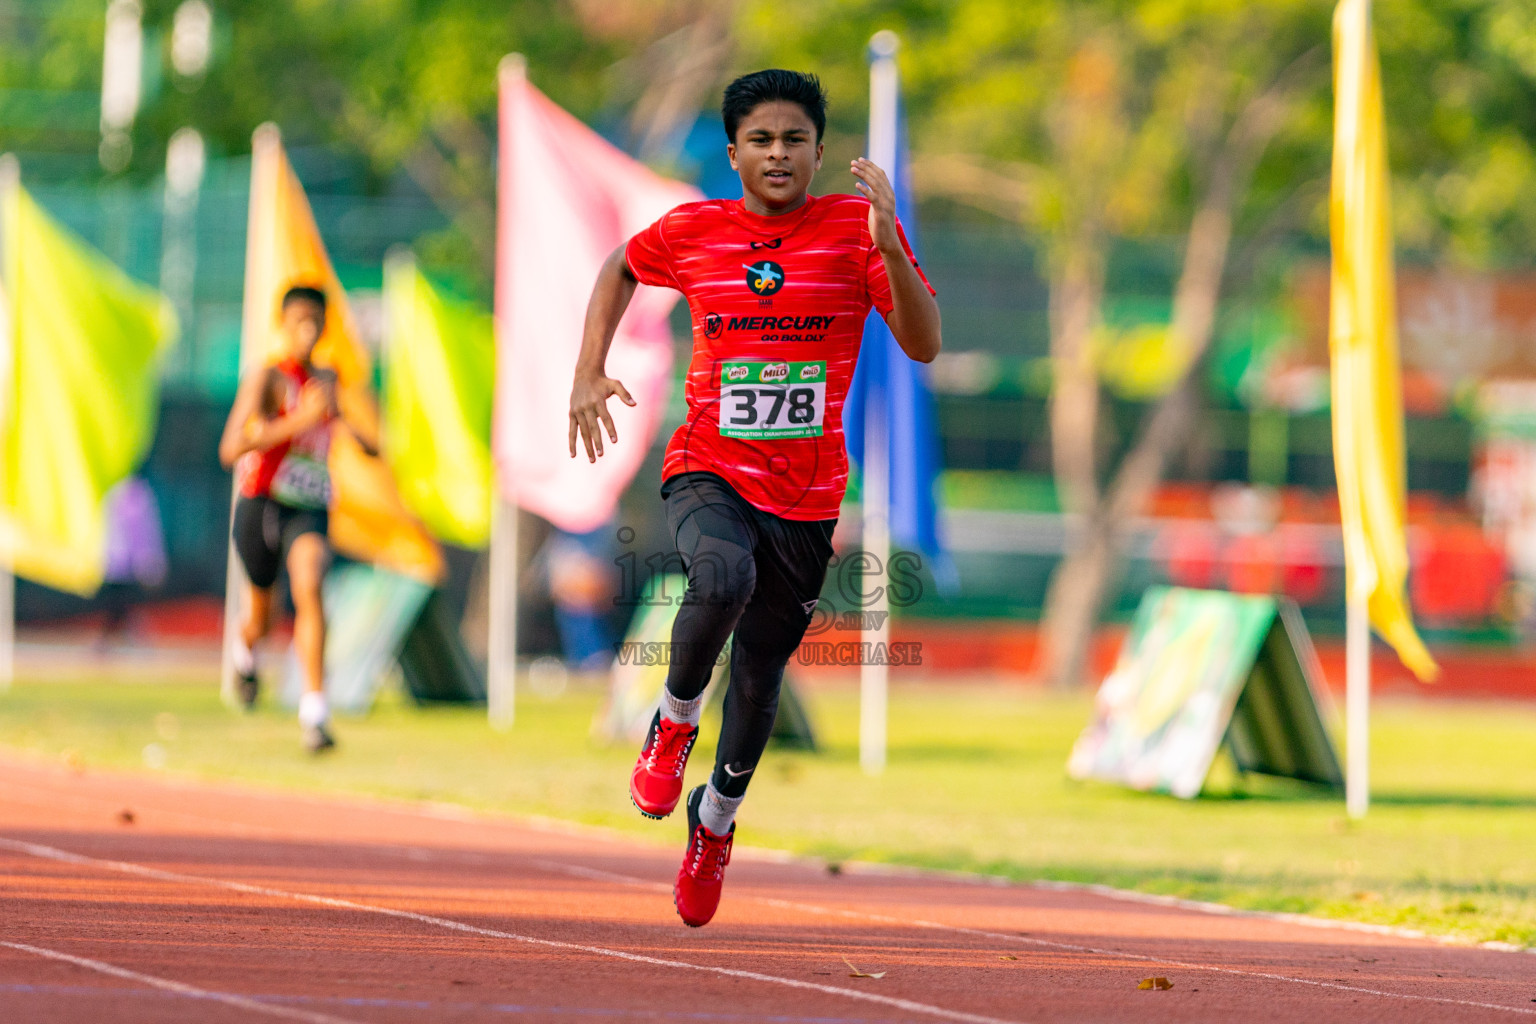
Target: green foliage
1112, 106
1115, 98
1107, 108
369, 78
50, 73
1460, 89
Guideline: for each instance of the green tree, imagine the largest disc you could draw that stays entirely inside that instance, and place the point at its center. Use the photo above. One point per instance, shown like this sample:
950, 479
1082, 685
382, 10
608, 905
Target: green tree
1094, 120
402, 86
1083, 122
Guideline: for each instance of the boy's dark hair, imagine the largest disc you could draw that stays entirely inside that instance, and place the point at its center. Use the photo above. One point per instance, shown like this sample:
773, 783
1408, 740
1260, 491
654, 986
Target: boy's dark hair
743, 96
304, 293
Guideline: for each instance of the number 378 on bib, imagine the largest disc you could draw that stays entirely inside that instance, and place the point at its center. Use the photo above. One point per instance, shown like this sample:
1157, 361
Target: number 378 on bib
772, 400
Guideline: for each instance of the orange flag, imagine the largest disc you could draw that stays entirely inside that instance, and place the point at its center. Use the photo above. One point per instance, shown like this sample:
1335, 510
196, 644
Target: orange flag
283, 248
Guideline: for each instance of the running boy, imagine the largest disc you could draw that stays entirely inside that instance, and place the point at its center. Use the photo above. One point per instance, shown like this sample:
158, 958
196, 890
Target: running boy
279, 434
779, 284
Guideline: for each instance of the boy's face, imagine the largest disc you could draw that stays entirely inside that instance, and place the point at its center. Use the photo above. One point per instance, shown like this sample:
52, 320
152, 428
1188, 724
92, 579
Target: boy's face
302, 323
776, 154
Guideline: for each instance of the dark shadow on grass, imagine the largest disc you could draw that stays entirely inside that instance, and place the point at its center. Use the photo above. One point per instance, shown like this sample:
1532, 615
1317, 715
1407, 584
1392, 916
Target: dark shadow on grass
1498, 800
1289, 791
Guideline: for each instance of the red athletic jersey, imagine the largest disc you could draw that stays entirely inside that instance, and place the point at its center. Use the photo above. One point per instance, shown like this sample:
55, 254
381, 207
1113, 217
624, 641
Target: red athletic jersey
778, 307
294, 473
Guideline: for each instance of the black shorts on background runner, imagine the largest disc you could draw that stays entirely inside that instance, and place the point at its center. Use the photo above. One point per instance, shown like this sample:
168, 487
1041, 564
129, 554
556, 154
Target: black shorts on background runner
265, 529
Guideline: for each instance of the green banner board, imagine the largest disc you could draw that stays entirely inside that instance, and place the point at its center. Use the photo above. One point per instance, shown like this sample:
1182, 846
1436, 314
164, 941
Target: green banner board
1201, 668
437, 666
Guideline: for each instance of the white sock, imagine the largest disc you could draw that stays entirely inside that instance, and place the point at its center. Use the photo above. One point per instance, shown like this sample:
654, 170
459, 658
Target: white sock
683, 712
716, 812
243, 657
312, 709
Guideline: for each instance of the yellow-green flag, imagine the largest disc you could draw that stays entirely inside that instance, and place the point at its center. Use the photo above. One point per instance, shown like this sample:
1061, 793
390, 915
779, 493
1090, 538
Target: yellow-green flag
1362, 334
79, 404
439, 372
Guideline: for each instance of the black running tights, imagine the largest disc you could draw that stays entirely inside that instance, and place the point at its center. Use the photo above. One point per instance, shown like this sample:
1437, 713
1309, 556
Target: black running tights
754, 578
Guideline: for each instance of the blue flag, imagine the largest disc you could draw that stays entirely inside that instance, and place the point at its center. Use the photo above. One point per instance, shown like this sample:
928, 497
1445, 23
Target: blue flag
897, 387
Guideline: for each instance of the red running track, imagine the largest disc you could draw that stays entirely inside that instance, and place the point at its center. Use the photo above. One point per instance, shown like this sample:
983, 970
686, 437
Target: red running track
218, 904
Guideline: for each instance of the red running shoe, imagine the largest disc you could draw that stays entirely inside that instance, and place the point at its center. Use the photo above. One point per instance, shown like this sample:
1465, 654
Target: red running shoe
657, 781
700, 879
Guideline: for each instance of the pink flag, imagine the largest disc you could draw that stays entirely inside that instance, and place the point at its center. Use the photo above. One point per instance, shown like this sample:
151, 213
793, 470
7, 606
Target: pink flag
567, 199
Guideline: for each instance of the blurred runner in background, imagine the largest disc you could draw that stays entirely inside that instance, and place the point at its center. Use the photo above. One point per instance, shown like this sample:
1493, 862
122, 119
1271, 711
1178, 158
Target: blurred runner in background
278, 436
779, 283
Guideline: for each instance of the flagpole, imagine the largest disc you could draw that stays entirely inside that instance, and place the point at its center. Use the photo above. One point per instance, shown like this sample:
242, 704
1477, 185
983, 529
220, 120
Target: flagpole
501, 647
1357, 701
10, 180
185, 164
874, 672
399, 264
501, 652
399, 272
255, 311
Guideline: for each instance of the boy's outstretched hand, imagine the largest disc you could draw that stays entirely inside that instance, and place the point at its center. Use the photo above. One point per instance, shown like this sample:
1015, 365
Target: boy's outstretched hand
589, 406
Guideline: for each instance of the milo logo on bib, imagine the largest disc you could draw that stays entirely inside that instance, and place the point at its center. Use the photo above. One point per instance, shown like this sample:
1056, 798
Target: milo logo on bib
772, 400
302, 481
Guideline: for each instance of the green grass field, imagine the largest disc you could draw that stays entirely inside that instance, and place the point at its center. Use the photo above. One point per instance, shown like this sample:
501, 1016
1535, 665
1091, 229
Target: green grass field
976, 782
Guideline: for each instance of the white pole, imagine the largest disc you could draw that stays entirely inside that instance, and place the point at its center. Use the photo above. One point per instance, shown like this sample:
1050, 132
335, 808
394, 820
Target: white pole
185, 161
501, 646
10, 180
1357, 700
122, 72
256, 314
501, 650
399, 267
7, 628
874, 673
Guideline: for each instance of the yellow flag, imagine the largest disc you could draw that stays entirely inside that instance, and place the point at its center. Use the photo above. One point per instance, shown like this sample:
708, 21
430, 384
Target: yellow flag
80, 398
283, 248
1362, 334
439, 373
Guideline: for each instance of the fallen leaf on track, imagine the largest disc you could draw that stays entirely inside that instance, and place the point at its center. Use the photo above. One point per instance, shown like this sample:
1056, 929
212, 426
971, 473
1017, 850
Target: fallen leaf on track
856, 973
1007, 958
1160, 984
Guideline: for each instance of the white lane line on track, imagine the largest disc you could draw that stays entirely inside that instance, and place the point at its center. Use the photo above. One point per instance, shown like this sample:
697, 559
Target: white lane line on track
177, 987
598, 875
555, 826
1106, 891
1178, 903
442, 1009
129, 868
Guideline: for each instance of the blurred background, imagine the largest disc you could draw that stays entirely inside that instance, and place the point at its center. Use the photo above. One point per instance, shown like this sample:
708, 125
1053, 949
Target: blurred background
1072, 166
1124, 207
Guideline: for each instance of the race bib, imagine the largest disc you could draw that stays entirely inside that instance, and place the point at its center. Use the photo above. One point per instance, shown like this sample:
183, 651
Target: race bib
302, 482
777, 400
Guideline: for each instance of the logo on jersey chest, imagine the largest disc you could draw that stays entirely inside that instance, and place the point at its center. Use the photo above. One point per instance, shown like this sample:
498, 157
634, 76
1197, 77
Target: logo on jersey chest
764, 277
